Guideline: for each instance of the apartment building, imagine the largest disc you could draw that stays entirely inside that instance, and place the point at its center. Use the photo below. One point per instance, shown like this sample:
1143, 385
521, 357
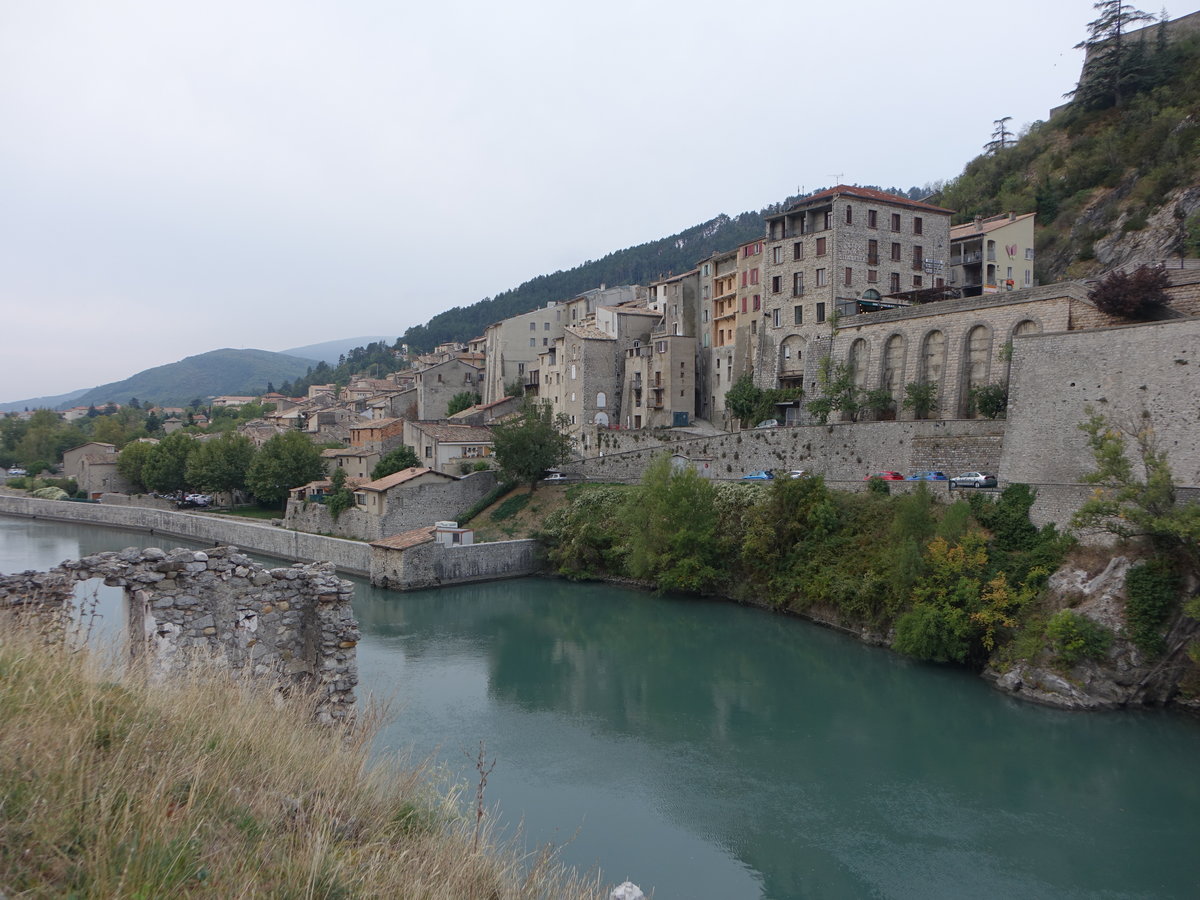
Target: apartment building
511, 347
845, 250
659, 382
722, 334
991, 255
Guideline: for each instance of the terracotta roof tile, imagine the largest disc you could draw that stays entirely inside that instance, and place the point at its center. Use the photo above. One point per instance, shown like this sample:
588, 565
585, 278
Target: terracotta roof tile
864, 194
390, 481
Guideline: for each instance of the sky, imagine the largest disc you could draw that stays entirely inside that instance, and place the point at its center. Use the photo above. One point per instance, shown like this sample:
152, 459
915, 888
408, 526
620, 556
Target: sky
181, 177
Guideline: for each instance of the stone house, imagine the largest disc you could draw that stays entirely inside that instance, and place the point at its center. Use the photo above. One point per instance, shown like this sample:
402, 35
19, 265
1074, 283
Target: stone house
446, 448
379, 435
356, 462
440, 382
659, 382
512, 347
94, 467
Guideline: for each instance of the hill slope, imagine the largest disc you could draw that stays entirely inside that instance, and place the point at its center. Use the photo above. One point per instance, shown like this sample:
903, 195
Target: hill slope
330, 351
1111, 185
206, 375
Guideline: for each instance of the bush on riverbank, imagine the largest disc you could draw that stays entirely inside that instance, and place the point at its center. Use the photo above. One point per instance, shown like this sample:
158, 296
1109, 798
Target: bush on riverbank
950, 581
109, 787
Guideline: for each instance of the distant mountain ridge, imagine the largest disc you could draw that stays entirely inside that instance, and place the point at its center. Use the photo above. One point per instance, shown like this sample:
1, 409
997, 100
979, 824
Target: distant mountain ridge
212, 374
330, 351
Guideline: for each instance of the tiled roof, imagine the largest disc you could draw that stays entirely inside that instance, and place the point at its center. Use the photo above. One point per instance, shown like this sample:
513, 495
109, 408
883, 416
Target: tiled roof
390, 481
97, 459
864, 194
589, 333
406, 539
958, 232
377, 423
456, 434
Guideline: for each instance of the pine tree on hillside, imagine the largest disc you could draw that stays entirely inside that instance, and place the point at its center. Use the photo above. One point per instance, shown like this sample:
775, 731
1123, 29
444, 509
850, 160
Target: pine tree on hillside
1113, 61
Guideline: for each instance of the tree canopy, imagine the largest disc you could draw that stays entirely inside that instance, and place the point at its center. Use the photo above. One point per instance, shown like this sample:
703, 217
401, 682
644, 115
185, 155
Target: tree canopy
403, 457
531, 442
221, 464
286, 461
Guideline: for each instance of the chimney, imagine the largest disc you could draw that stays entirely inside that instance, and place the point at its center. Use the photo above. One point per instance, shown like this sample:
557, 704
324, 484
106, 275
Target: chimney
979, 223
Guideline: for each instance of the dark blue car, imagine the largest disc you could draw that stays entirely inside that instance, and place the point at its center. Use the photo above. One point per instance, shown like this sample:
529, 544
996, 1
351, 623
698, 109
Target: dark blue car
927, 476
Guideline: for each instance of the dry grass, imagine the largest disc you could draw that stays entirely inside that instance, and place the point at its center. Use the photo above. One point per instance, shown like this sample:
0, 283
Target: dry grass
113, 788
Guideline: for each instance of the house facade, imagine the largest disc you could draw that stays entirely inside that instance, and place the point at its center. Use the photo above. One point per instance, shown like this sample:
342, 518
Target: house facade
991, 255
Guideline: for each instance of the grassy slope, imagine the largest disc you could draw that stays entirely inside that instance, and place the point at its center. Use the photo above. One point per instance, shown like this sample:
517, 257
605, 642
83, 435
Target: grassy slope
109, 788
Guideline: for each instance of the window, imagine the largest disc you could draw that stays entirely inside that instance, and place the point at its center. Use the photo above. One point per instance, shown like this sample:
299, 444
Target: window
895, 221
872, 276
706, 339
745, 300
745, 278
797, 284
820, 312
546, 326
849, 214
428, 451
572, 418
775, 317
916, 281
798, 250
894, 282
572, 396
1028, 278
797, 315
754, 275
827, 219
573, 373
439, 377
776, 284
895, 251
820, 246
872, 253
704, 316
545, 342
821, 277
849, 275
1009, 275
520, 368
918, 257
1029, 253
918, 225
533, 326
872, 218
533, 342
757, 305
776, 255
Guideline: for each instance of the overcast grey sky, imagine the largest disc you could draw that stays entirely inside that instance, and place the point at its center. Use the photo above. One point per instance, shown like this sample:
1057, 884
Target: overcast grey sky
179, 177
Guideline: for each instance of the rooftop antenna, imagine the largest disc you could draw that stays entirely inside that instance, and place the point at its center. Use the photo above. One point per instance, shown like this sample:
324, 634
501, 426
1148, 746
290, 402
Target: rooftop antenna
839, 177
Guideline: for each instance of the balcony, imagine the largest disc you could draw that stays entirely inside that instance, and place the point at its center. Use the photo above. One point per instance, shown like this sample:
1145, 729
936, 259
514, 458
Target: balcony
967, 258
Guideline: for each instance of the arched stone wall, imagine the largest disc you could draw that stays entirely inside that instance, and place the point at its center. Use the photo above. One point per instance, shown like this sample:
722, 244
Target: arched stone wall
891, 375
859, 360
976, 363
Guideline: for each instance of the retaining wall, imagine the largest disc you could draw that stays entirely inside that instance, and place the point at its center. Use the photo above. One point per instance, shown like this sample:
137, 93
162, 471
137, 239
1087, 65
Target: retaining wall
353, 557
431, 564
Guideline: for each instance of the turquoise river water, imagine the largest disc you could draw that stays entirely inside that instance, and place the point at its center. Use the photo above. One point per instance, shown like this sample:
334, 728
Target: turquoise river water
705, 750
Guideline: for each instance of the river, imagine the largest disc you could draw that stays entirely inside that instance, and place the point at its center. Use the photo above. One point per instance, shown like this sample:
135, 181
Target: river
705, 750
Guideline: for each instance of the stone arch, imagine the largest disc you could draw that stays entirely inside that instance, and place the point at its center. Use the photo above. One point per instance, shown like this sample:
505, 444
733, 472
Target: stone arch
1025, 326
859, 361
933, 357
601, 419
791, 359
976, 364
895, 349
871, 294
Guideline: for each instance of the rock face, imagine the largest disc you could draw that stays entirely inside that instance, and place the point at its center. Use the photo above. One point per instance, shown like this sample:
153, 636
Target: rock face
1124, 677
294, 624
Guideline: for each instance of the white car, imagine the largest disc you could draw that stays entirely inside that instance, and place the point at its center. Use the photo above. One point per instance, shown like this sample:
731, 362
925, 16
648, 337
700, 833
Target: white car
973, 479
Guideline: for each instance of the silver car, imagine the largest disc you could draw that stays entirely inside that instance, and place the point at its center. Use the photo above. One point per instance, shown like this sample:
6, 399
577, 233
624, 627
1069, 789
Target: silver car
973, 479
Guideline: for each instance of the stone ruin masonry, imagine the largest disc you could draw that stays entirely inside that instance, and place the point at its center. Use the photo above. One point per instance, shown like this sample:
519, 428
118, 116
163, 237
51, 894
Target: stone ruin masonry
292, 623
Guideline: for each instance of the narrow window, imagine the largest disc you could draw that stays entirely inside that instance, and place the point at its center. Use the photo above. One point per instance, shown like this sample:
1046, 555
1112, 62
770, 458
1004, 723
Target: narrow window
776, 284
896, 251
775, 317
872, 253
849, 214
918, 257
872, 218
798, 283
820, 312
849, 275
757, 302
820, 246
872, 275
894, 282
895, 221
821, 282
918, 225
798, 250
797, 315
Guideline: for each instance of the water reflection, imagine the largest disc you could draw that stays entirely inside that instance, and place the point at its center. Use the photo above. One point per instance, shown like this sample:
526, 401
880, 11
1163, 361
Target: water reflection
710, 751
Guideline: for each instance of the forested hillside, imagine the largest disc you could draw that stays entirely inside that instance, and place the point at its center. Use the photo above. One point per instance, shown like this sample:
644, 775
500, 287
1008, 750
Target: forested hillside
1114, 176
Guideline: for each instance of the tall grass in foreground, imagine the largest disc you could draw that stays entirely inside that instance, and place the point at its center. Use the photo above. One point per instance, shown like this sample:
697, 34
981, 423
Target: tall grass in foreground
206, 787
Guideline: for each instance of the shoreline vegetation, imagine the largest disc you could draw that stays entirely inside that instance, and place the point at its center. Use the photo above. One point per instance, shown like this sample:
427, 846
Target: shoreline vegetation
111, 785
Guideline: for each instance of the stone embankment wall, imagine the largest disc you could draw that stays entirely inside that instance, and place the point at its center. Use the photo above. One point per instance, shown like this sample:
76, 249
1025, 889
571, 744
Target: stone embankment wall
294, 624
353, 557
431, 564
842, 452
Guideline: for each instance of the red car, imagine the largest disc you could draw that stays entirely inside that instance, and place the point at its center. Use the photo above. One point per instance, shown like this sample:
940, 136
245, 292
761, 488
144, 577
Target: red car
886, 476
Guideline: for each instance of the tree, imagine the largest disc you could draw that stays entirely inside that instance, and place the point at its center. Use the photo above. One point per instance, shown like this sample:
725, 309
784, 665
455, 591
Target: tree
340, 498
165, 467
531, 442
1109, 55
921, 398
1132, 296
403, 457
130, 462
1001, 137
221, 464
990, 400
1129, 504
743, 399
462, 400
286, 461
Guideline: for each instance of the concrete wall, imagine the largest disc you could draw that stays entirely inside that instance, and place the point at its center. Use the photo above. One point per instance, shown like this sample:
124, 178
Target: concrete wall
349, 556
431, 564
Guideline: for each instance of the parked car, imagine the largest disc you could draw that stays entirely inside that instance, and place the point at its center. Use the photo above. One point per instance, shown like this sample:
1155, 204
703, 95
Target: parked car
16, 472
927, 476
768, 423
554, 477
886, 476
973, 479
761, 475
798, 473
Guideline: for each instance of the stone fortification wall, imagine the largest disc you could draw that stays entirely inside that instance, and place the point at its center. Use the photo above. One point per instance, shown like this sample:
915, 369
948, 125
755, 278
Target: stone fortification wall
431, 564
294, 624
1121, 373
352, 557
840, 452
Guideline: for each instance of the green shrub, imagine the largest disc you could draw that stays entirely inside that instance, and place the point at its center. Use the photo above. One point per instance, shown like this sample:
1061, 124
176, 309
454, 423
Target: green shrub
510, 507
1151, 589
1073, 638
877, 485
